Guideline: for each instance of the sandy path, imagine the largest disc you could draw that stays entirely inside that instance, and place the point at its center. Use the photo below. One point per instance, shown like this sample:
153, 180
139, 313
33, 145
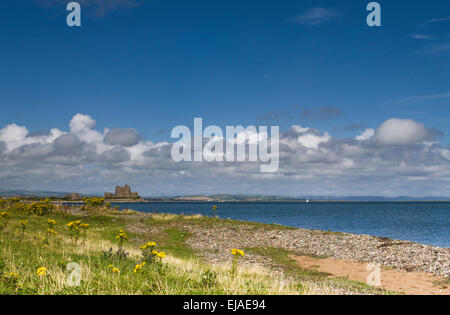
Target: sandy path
412, 283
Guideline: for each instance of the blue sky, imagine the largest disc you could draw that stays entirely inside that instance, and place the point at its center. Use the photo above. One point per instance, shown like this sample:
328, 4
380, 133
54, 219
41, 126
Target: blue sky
152, 65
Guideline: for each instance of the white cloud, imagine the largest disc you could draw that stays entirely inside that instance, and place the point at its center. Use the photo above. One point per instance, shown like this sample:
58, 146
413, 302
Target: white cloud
300, 129
311, 162
13, 134
445, 153
81, 123
401, 132
365, 135
312, 141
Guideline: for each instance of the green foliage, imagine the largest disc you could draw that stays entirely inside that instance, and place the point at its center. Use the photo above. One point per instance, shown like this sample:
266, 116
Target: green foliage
24, 252
94, 202
209, 278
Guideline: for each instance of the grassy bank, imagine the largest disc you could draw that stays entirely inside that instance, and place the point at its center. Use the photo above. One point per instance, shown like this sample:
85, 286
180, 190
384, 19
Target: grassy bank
39, 256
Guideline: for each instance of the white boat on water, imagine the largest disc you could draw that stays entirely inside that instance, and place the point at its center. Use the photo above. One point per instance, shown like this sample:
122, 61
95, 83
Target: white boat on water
307, 200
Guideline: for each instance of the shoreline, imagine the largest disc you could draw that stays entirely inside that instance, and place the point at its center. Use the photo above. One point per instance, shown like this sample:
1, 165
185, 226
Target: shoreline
301, 261
210, 235
260, 201
250, 221
390, 253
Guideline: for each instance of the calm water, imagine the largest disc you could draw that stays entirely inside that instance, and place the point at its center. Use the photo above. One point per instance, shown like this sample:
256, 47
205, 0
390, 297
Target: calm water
421, 222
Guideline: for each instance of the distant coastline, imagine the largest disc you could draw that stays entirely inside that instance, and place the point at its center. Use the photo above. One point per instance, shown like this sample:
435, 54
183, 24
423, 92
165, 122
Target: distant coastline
210, 200
62, 196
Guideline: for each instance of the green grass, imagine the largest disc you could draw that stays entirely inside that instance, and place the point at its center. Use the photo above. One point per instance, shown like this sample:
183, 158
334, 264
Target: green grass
181, 272
209, 221
174, 242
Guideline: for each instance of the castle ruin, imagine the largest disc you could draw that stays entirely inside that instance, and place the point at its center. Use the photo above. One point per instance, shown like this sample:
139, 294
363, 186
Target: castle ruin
122, 193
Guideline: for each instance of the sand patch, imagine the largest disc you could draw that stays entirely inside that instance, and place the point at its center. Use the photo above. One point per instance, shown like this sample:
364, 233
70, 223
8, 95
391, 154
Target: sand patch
411, 283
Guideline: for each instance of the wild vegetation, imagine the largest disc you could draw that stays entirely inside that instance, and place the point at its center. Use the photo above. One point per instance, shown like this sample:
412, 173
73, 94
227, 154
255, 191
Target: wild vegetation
46, 248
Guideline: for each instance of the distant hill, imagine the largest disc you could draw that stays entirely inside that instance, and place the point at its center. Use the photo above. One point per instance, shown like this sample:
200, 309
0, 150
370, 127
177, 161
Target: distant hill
234, 197
34, 193
303, 198
378, 198
224, 197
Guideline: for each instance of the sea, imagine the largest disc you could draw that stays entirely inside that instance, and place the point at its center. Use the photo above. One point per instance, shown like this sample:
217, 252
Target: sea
420, 222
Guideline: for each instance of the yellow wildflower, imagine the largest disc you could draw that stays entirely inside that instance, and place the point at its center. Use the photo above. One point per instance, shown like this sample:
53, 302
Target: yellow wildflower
122, 235
161, 255
42, 271
139, 267
239, 252
115, 270
149, 244
51, 231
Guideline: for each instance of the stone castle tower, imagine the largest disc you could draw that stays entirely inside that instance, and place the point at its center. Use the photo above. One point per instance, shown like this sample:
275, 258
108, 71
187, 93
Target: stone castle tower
122, 193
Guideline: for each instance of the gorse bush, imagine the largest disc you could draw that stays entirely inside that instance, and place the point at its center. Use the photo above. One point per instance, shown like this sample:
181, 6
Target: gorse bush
95, 205
40, 208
